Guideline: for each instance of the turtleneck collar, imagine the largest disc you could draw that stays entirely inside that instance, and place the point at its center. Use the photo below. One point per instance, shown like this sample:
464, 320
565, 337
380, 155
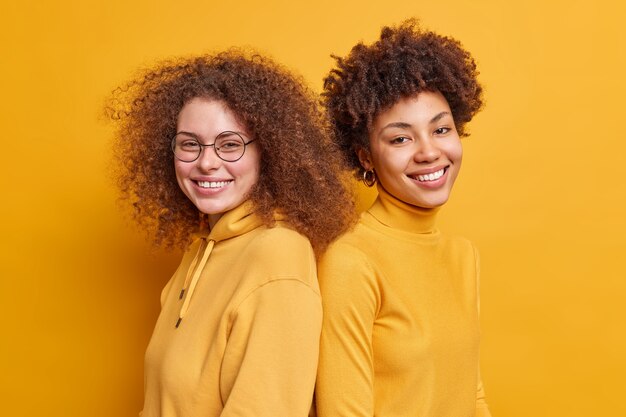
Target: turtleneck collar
397, 214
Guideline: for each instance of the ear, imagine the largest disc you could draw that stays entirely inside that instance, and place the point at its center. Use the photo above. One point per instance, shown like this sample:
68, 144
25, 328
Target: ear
365, 158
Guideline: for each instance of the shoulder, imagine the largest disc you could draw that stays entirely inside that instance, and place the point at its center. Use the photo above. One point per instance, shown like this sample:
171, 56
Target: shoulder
345, 250
349, 249
459, 245
281, 252
279, 241
357, 241
462, 255
346, 265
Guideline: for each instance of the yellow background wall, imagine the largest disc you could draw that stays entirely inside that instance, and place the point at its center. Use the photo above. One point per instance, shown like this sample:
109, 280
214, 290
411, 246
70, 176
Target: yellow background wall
541, 193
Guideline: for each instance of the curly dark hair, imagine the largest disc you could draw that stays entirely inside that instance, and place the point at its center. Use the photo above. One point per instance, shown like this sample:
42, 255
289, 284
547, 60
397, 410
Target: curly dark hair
299, 169
403, 62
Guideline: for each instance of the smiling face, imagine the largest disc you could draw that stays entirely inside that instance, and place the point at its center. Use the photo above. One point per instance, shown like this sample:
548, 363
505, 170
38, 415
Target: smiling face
215, 186
415, 150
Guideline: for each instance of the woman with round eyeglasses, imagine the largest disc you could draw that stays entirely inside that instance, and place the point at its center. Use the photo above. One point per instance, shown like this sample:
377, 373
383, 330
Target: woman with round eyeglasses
400, 334
228, 155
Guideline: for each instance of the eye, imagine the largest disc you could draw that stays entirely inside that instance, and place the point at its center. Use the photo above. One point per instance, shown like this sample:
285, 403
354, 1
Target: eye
230, 145
442, 130
189, 144
399, 140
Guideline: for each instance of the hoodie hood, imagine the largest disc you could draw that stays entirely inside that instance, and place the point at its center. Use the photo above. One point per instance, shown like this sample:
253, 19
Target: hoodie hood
233, 223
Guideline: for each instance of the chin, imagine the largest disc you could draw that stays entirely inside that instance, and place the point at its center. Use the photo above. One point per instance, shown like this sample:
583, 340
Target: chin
430, 202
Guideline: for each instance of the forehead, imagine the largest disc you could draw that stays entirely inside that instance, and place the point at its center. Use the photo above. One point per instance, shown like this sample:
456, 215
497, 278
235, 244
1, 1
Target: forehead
207, 117
414, 110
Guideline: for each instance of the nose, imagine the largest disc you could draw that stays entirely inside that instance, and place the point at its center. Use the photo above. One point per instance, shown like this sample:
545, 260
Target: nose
426, 151
208, 159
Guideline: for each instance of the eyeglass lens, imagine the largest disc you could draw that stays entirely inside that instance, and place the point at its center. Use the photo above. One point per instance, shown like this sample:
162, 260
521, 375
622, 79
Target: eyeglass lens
229, 146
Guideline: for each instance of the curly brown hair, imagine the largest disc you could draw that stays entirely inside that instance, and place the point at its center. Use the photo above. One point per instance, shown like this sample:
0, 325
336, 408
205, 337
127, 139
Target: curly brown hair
299, 164
403, 62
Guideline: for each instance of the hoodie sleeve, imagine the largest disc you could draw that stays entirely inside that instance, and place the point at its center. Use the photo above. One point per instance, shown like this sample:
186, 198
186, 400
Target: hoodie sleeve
271, 356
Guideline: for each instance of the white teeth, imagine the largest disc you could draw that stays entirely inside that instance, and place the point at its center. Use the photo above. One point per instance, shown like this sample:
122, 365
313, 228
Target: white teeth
432, 176
212, 184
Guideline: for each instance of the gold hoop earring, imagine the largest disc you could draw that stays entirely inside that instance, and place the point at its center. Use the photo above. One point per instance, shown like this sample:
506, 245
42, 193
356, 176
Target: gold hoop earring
369, 177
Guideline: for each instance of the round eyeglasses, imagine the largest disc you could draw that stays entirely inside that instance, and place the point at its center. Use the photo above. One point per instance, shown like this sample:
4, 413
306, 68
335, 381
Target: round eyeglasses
228, 146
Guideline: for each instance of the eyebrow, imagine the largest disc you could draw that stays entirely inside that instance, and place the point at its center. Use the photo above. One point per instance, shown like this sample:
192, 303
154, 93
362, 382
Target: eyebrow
440, 116
404, 125
401, 125
187, 133
198, 137
397, 124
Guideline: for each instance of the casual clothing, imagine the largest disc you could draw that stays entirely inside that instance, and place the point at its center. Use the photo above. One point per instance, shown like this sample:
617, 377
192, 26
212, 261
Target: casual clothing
400, 334
247, 304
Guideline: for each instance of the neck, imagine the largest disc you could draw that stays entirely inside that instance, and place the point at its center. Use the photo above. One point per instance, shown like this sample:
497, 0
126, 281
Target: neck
213, 218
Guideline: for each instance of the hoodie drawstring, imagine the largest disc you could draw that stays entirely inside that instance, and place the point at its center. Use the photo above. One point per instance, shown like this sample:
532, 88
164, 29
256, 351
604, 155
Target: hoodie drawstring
197, 270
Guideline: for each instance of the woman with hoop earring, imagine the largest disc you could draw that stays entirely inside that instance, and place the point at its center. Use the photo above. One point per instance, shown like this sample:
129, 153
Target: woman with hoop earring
400, 334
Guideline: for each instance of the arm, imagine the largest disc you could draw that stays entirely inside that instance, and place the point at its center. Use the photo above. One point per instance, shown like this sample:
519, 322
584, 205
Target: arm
271, 355
482, 410
350, 299
481, 405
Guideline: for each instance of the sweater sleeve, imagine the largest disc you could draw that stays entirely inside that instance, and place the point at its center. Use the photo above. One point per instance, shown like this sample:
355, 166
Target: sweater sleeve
271, 355
482, 410
350, 298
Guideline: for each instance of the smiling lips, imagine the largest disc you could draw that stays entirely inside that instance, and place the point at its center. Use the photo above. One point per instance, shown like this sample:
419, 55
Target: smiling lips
432, 176
213, 184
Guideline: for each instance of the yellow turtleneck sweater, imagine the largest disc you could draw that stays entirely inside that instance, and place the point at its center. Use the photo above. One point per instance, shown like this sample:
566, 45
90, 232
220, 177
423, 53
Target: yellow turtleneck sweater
248, 309
400, 332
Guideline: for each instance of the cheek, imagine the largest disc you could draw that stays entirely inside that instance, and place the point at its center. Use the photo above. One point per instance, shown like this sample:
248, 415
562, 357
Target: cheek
254, 166
454, 151
178, 169
455, 156
247, 170
254, 174
392, 161
182, 172
457, 153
